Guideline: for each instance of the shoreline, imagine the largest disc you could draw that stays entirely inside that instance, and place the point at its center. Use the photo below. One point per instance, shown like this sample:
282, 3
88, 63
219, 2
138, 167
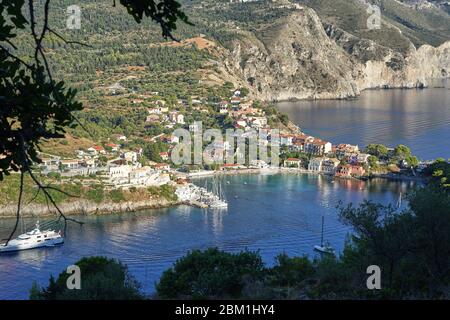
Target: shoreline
377, 88
85, 207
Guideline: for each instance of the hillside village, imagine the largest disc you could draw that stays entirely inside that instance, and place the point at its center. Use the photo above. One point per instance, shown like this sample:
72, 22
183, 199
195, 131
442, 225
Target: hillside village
122, 163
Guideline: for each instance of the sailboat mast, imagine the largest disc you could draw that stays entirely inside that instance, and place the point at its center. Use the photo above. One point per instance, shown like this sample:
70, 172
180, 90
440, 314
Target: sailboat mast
321, 238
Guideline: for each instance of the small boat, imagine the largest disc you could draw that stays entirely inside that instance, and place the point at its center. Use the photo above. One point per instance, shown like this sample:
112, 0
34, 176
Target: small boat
33, 239
324, 247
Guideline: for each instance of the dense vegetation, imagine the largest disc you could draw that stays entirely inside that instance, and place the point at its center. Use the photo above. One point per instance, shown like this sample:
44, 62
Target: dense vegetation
101, 279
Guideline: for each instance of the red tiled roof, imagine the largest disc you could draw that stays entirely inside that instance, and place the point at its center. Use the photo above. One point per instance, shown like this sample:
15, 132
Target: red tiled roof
112, 145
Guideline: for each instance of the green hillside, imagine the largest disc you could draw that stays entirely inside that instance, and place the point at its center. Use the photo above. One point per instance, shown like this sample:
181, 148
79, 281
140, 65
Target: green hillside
119, 48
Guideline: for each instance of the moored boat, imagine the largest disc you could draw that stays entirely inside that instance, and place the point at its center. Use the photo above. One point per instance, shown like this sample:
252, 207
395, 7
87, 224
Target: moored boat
33, 239
324, 247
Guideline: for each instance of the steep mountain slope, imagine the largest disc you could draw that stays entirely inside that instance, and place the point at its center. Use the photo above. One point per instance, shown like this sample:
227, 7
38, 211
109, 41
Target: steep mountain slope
297, 56
292, 58
403, 22
279, 49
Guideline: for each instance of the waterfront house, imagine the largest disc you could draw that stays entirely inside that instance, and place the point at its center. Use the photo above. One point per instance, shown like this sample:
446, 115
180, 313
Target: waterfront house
292, 162
330, 165
358, 170
315, 164
349, 170
259, 164
344, 171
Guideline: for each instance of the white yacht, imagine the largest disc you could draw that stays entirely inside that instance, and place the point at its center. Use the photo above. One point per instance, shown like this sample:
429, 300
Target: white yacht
33, 239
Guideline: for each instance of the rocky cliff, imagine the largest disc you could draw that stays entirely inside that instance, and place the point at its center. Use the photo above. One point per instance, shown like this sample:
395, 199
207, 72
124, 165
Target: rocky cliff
85, 207
297, 57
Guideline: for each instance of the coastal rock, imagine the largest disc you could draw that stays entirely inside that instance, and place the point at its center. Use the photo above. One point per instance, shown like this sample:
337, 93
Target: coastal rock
84, 207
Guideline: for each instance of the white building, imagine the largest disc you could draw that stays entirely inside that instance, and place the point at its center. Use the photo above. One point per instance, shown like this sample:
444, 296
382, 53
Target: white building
315, 164
119, 172
70, 164
330, 166
130, 156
